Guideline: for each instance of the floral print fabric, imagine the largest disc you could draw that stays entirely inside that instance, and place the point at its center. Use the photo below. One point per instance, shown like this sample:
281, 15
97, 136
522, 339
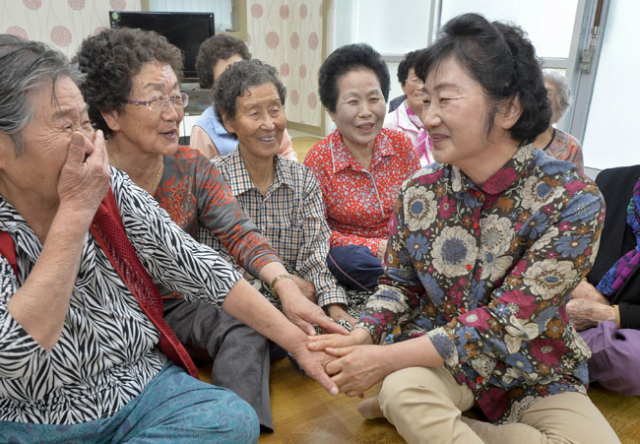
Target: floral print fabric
358, 202
486, 272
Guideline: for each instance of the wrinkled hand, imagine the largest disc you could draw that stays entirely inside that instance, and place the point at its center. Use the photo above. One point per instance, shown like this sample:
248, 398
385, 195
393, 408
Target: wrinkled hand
358, 336
586, 313
585, 290
302, 313
337, 312
84, 178
382, 249
314, 365
306, 288
358, 368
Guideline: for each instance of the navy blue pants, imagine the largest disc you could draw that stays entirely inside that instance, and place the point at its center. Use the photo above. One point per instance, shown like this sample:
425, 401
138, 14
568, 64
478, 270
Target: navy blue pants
355, 267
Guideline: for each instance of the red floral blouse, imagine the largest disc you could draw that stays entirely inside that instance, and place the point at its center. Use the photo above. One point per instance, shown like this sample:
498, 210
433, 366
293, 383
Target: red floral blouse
358, 202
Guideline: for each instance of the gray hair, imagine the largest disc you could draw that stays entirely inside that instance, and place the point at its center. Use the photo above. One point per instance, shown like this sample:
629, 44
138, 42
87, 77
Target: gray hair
563, 90
24, 67
237, 79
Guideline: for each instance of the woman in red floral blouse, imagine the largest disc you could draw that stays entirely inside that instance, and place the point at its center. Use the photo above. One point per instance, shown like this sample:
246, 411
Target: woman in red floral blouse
360, 166
484, 250
139, 108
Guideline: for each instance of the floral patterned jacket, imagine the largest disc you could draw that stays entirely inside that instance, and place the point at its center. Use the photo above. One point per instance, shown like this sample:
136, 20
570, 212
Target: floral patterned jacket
486, 271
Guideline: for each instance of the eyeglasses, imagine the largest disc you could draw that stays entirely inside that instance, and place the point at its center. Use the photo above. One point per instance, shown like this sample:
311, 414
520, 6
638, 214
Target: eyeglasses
162, 102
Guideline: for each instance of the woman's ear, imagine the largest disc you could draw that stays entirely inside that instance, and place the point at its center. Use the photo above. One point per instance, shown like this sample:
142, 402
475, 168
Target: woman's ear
510, 112
228, 123
112, 118
333, 116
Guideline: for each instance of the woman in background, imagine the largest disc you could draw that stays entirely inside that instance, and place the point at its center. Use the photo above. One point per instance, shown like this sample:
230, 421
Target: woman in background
553, 141
208, 135
408, 116
139, 108
361, 165
605, 307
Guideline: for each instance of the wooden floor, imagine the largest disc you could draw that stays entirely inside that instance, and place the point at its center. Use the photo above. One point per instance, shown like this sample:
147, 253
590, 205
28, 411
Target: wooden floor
303, 413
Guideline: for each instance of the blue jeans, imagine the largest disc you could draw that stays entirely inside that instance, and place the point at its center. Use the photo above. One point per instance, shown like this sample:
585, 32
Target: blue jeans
174, 407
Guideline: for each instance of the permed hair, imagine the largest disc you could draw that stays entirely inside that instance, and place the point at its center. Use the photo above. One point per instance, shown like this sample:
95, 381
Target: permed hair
404, 66
503, 61
236, 81
218, 47
25, 67
111, 59
563, 91
344, 60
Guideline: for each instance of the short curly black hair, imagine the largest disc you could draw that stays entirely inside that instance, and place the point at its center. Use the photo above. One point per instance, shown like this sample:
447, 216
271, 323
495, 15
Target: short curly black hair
111, 59
237, 79
408, 63
346, 59
218, 47
503, 61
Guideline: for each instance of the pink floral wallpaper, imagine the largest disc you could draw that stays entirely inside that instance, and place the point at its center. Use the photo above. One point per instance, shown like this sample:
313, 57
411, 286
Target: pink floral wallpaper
60, 23
284, 33
288, 35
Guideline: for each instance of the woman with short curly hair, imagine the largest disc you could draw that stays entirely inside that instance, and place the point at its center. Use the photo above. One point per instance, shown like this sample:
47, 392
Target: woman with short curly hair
556, 143
361, 165
133, 91
208, 135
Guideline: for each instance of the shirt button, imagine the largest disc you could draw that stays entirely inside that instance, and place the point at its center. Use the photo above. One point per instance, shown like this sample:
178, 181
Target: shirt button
475, 225
373, 191
377, 205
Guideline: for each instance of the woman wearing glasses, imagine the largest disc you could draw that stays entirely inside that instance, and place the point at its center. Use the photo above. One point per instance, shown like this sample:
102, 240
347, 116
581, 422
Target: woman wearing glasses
133, 93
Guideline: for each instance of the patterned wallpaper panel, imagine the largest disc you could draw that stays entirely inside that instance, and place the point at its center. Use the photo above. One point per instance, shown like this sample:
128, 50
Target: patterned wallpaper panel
284, 33
288, 35
60, 23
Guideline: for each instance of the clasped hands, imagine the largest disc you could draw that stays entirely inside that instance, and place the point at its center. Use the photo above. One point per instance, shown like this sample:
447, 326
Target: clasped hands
353, 363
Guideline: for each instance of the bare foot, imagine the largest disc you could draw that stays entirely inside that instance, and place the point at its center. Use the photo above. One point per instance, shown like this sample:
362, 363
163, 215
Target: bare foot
370, 408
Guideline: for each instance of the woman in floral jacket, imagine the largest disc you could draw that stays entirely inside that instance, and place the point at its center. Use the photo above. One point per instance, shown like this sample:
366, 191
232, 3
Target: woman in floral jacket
484, 250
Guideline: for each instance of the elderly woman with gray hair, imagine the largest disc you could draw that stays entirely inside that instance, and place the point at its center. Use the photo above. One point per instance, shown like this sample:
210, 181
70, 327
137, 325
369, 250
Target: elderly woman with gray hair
553, 141
85, 354
281, 196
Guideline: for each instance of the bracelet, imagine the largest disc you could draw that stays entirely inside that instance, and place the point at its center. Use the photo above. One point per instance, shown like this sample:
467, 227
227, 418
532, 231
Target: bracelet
272, 288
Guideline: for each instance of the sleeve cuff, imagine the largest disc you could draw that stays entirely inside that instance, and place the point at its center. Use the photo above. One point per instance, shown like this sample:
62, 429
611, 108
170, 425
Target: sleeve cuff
444, 345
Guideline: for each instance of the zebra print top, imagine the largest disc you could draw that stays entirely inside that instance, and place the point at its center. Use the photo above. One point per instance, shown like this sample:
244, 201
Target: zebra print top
107, 351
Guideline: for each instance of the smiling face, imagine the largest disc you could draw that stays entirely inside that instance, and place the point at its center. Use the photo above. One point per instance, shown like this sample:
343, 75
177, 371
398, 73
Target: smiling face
259, 122
360, 108
46, 142
140, 128
456, 110
413, 88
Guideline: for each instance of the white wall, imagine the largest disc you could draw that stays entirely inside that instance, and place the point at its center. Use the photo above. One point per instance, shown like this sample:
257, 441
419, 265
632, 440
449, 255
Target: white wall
614, 114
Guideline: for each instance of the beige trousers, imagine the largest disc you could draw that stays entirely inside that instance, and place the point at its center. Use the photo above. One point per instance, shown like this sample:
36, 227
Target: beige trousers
426, 404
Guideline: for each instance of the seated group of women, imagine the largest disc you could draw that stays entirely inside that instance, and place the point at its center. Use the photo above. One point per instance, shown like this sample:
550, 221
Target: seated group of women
475, 257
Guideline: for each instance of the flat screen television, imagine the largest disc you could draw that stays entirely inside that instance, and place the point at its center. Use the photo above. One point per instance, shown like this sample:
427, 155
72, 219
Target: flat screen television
186, 30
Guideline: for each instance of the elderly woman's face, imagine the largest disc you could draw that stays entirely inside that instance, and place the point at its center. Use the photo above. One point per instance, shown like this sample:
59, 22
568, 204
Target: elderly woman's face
552, 94
46, 139
259, 122
455, 114
413, 88
145, 129
360, 108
